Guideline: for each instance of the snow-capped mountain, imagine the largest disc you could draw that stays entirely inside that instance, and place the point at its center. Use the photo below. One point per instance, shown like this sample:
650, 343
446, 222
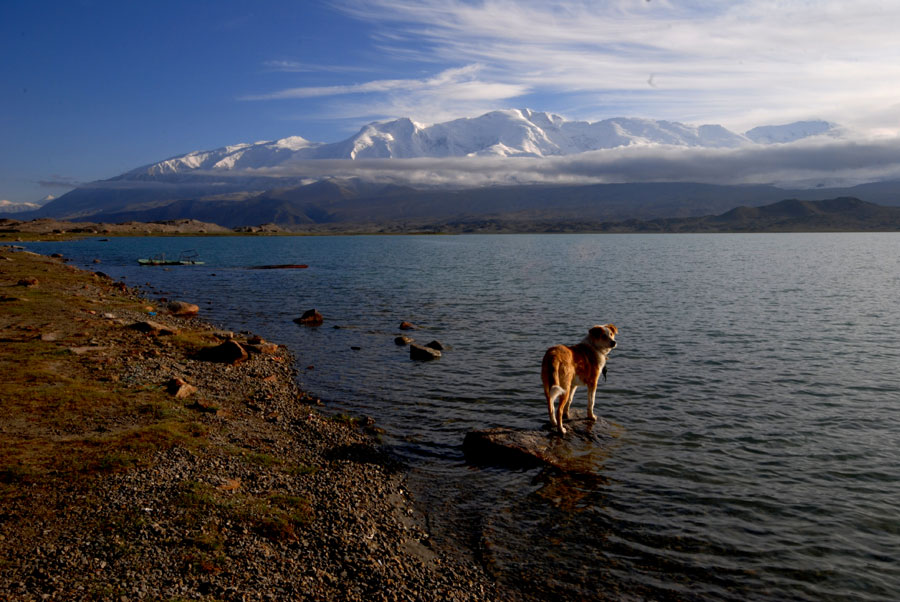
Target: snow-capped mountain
508, 133
11, 207
784, 134
237, 156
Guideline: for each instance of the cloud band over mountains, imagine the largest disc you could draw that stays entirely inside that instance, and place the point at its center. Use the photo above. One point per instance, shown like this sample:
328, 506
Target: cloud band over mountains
799, 164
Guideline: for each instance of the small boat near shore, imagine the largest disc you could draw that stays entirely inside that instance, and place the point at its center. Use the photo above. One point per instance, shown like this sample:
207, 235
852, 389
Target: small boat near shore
186, 258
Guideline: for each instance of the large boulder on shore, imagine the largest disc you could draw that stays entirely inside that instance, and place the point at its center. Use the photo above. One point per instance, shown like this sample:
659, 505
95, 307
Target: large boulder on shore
153, 328
582, 450
229, 352
182, 308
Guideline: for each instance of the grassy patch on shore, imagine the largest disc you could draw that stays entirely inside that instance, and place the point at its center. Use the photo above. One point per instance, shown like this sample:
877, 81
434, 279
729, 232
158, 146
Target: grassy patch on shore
64, 410
275, 516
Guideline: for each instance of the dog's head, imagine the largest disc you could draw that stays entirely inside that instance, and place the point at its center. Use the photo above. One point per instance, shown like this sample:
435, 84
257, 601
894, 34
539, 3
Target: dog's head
603, 337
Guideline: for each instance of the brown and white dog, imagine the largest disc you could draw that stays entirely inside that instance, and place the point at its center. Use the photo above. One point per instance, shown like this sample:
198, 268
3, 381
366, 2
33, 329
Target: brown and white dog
565, 367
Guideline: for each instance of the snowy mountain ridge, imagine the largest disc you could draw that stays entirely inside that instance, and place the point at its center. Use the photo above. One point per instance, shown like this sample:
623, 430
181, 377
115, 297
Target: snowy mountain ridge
505, 133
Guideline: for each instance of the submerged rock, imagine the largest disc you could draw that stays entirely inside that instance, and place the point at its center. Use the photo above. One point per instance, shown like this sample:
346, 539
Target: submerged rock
403, 340
422, 353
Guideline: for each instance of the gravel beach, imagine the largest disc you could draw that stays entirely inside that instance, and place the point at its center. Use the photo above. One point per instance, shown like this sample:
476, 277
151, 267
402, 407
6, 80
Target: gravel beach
137, 464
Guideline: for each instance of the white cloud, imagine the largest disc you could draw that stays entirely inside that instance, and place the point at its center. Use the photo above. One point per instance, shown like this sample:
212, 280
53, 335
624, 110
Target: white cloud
833, 162
299, 67
730, 62
451, 93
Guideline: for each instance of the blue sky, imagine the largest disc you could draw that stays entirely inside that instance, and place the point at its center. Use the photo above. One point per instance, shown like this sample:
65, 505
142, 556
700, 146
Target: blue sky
91, 89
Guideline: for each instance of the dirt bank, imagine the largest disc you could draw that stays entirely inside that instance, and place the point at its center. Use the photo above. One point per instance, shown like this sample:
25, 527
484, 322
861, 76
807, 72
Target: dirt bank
118, 482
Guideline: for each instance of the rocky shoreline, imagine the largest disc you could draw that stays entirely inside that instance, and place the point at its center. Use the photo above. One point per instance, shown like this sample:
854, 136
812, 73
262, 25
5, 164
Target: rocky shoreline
135, 465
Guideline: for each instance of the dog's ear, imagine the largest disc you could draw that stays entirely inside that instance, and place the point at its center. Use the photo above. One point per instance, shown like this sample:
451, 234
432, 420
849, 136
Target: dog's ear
597, 332
612, 328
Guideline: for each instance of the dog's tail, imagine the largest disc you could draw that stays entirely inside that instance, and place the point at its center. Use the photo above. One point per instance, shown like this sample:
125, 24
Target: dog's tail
555, 392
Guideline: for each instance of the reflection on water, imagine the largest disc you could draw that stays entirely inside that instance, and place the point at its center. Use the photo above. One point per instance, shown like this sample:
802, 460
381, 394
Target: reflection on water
755, 382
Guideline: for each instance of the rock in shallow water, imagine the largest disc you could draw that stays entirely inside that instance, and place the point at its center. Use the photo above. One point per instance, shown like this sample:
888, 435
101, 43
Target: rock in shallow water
422, 353
582, 450
310, 317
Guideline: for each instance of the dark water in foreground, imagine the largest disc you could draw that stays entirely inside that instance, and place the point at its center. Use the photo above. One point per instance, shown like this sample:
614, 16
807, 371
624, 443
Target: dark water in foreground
755, 389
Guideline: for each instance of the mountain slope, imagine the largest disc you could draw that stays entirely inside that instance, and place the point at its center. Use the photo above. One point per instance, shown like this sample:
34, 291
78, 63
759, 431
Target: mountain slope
352, 203
843, 214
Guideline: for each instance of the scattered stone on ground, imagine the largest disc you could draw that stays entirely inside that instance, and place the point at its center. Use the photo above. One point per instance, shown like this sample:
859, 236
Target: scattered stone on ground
180, 388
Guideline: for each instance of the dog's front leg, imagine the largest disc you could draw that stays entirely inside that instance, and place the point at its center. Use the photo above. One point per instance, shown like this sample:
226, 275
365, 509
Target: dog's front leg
592, 392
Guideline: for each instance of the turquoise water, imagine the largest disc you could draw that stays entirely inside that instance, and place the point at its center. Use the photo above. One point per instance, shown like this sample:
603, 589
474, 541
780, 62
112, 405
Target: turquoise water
755, 387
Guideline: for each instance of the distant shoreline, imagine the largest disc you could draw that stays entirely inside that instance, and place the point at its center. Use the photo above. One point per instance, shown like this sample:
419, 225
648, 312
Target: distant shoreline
844, 214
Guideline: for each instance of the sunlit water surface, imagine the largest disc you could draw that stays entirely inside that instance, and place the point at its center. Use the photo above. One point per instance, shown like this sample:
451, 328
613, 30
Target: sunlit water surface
755, 394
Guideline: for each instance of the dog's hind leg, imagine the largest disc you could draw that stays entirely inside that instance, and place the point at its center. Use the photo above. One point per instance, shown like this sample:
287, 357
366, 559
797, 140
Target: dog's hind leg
552, 395
562, 412
569, 402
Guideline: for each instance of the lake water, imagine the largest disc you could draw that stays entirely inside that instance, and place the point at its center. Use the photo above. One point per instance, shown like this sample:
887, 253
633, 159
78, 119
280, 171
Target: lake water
755, 393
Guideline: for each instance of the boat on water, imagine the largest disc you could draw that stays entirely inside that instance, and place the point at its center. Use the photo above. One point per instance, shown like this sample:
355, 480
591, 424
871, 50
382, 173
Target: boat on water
186, 258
